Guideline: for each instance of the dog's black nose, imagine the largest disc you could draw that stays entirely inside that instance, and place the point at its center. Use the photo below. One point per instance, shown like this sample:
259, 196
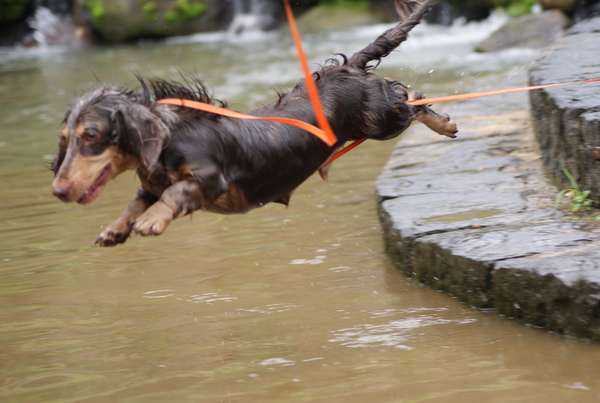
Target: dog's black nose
61, 192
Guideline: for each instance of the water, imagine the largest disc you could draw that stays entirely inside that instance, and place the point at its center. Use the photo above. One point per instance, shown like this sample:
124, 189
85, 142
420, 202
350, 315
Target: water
281, 304
252, 15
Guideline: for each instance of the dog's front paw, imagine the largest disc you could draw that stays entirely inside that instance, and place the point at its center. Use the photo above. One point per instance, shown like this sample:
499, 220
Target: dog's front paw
114, 234
154, 221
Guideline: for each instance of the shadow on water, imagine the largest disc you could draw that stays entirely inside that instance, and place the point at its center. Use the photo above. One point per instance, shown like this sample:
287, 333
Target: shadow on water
277, 305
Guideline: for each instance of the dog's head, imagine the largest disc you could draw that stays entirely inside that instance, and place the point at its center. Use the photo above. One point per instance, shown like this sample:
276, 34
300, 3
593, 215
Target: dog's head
106, 132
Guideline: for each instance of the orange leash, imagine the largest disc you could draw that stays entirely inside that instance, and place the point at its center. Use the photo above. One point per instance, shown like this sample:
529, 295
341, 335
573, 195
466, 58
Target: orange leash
461, 97
308, 77
343, 151
426, 101
324, 131
321, 134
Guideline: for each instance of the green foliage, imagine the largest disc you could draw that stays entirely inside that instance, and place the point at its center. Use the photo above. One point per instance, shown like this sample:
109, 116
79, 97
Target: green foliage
515, 7
186, 9
580, 200
361, 4
96, 9
149, 9
11, 10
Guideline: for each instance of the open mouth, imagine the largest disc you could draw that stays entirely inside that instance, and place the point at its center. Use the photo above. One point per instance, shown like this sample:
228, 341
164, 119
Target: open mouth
96, 187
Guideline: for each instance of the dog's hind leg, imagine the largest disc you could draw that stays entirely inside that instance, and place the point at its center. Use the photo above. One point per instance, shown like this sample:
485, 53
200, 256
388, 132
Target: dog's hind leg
439, 123
119, 230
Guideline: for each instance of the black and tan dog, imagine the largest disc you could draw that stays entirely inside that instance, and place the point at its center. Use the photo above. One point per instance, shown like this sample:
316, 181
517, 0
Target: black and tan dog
191, 160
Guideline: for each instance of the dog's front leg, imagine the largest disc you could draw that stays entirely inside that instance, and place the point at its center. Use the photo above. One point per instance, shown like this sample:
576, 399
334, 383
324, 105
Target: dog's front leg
119, 230
182, 197
155, 220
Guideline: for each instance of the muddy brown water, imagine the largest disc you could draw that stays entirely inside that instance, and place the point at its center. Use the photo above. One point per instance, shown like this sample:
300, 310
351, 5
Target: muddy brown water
281, 304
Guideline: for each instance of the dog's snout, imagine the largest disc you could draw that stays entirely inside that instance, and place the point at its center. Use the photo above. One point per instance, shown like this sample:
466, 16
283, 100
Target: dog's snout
61, 190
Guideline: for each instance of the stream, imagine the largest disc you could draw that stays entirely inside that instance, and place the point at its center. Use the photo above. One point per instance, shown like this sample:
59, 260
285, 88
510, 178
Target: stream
281, 304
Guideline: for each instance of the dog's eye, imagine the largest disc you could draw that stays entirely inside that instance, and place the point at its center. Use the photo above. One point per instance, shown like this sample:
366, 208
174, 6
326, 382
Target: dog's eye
90, 136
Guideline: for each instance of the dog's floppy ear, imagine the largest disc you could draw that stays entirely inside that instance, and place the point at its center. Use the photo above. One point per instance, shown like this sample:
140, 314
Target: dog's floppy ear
141, 133
60, 156
62, 148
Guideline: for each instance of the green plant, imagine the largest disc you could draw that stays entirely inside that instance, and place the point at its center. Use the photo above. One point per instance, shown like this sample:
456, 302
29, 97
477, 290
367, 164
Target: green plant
515, 8
11, 10
360, 4
580, 200
96, 9
186, 10
149, 8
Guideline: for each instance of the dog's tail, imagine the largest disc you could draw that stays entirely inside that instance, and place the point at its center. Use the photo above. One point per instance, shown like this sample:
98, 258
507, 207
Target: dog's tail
410, 12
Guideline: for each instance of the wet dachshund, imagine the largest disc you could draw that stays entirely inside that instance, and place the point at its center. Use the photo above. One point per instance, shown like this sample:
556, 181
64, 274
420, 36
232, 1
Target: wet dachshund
191, 160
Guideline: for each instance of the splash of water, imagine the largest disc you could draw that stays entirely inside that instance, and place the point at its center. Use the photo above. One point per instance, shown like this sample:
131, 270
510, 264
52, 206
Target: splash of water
45, 25
54, 28
252, 15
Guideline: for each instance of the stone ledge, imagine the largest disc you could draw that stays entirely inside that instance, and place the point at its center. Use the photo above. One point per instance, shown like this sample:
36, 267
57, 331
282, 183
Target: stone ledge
567, 119
474, 218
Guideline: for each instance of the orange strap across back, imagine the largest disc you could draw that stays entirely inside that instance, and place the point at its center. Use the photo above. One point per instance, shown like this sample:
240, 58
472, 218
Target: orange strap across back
233, 114
325, 133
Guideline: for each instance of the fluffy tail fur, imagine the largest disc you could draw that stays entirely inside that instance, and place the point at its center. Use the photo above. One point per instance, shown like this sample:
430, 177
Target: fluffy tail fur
410, 13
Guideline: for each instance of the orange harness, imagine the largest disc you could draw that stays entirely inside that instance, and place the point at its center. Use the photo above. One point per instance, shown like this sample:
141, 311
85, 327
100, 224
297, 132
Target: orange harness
328, 138
324, 131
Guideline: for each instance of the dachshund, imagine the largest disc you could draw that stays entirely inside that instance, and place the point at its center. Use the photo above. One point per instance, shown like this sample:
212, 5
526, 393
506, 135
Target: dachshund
190, 160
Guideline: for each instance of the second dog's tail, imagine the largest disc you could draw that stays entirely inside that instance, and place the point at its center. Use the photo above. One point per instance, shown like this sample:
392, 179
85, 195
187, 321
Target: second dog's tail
410, 12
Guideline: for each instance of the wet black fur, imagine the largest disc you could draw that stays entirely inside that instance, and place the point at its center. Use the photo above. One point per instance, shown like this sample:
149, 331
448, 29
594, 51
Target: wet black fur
209, 162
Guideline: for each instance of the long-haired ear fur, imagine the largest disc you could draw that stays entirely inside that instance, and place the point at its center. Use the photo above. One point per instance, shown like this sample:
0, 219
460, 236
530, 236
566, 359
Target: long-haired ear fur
60, 157
141, 133
62, 149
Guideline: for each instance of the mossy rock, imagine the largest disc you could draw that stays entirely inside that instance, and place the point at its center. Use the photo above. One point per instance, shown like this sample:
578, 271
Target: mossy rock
336, 16
13, 10
125, 20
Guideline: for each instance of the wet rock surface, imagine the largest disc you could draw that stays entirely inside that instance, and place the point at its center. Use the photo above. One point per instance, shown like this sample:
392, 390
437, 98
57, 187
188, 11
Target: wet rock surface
474, 217
567, 119
529, 31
